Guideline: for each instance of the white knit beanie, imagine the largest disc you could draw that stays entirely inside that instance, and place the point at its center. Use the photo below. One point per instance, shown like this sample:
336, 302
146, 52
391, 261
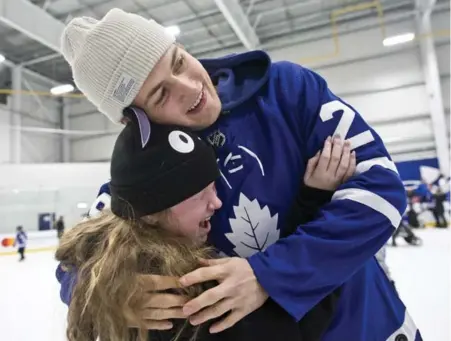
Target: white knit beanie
112, 57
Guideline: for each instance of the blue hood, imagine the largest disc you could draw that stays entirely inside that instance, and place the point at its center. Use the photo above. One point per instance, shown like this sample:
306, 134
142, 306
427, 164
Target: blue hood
239, 76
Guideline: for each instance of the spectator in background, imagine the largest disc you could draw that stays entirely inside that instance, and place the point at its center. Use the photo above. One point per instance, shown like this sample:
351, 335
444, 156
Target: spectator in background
439, 210
60, 227
412, 215
21, 242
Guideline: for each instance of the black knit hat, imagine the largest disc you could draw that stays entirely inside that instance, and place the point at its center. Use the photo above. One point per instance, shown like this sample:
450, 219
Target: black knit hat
154, 167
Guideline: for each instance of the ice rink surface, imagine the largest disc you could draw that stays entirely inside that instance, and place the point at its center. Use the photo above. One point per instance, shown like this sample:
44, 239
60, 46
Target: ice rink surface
31, 309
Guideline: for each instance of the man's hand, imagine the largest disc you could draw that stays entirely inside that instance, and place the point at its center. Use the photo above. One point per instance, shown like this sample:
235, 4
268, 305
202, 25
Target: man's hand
156, 309
238, 292
332, 166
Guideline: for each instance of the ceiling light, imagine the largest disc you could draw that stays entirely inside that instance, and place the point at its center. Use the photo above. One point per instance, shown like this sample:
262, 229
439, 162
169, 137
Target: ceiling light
399, 39
62, 89
2, 58
174, 30
82, 205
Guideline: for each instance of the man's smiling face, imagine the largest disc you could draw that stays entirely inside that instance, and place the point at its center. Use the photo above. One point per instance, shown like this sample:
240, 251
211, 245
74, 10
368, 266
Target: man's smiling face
179, 91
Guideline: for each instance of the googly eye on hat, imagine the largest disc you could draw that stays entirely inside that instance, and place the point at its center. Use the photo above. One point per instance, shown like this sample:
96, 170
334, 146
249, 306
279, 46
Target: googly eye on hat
154, 167
181, 141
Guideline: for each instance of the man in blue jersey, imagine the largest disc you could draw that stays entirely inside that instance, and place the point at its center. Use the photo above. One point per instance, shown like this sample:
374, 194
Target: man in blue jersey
265, 121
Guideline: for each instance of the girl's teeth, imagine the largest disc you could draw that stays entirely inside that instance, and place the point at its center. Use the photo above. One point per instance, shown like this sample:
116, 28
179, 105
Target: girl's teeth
204, 223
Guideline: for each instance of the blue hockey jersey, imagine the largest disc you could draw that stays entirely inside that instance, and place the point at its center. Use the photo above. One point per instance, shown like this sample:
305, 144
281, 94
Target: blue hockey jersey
275, 116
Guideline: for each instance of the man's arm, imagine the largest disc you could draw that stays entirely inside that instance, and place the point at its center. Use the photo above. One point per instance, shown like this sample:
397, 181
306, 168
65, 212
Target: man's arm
300, 270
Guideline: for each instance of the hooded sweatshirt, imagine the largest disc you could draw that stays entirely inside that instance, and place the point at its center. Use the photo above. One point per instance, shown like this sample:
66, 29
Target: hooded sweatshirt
276, 116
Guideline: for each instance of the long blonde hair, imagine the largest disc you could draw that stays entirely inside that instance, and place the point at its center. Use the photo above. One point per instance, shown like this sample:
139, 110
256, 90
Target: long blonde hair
109, 254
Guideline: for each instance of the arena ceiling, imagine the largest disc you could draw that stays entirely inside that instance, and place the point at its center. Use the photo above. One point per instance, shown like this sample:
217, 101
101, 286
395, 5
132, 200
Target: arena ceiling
30, 29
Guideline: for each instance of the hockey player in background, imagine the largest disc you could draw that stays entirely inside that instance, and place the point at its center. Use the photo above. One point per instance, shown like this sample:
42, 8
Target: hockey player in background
60, 226
21, 242
265, 120
406, 232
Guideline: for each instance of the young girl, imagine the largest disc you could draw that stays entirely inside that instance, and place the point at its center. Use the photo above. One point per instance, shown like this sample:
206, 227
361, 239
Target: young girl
162, 197
21, 242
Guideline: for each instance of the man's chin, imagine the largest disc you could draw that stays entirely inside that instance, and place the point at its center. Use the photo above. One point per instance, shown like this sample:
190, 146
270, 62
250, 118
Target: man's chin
204, 121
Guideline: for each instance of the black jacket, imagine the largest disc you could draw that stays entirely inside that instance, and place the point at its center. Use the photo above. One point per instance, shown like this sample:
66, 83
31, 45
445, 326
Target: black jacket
270, 322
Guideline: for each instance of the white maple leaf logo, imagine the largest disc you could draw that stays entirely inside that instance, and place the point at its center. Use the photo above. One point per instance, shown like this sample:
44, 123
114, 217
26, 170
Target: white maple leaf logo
253, 229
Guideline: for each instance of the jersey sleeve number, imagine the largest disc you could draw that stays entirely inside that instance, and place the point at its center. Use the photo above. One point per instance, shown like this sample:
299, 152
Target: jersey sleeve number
327, 113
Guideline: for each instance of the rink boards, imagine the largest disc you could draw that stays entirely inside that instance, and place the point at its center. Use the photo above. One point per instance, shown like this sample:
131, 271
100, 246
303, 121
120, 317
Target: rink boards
38, 241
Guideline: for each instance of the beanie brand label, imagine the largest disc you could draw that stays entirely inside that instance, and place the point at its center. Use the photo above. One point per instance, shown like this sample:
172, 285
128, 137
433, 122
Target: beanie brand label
123, 87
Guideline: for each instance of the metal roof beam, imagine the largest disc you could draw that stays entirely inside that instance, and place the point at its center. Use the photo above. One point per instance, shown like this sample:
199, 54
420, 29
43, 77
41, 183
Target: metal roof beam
238, 20
33, 74
32, 21
425, 6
